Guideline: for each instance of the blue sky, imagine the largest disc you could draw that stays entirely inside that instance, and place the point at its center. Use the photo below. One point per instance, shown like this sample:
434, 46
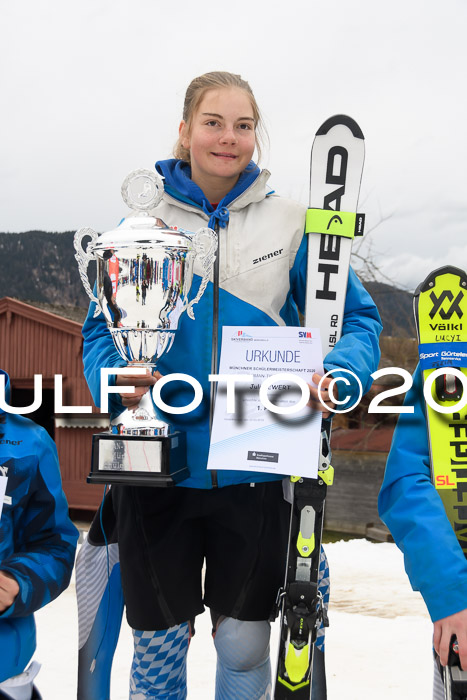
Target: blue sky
94, 88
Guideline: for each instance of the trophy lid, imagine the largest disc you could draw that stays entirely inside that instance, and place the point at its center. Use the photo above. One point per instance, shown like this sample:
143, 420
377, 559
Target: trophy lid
142, 190
146, 231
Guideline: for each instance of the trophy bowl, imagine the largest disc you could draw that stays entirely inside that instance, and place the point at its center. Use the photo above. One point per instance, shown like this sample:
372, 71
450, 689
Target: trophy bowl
144, 277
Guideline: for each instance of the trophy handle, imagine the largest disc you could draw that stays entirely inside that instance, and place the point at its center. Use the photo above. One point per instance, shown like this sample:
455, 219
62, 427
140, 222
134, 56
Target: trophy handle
83, 258
205, 245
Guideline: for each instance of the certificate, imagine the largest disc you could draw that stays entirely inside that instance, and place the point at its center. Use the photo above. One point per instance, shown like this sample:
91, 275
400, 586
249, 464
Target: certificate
262, 380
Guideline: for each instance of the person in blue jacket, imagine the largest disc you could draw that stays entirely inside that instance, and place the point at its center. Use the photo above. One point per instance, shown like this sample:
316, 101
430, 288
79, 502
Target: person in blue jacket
415, 515
235, 520
37, 544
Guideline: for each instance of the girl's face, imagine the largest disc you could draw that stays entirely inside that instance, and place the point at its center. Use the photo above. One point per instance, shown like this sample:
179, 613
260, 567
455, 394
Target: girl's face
221, 140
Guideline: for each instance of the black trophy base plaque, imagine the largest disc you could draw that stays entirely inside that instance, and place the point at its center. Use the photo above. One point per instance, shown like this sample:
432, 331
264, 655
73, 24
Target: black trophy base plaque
138, 460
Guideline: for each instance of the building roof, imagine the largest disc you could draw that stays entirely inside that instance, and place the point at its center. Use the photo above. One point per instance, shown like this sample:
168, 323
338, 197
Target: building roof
33, 313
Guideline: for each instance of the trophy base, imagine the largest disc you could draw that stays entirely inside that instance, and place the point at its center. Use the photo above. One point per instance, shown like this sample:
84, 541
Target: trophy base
138, 460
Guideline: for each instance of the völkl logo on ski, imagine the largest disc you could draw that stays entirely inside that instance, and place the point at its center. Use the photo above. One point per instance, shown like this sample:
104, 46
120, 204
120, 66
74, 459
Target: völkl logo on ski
438, 301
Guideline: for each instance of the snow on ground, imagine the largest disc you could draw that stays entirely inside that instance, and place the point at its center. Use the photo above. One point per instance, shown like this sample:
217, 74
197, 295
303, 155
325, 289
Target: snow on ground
378, 645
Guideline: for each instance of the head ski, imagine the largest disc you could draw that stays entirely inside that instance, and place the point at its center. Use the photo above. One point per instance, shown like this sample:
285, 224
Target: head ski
336, 168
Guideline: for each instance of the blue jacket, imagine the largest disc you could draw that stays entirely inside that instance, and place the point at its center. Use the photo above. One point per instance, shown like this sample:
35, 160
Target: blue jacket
257, 288
37, 538
415, 515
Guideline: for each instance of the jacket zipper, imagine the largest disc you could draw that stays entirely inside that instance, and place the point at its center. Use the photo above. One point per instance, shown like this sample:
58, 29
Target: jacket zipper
215, 337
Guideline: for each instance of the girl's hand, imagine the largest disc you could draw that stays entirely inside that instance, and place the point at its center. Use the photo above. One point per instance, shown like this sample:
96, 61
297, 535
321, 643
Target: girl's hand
314, 401
443, 631
9, 589
142, 384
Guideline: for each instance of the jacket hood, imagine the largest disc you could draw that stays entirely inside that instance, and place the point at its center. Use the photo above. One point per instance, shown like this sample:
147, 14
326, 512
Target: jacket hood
7, 388
178, 184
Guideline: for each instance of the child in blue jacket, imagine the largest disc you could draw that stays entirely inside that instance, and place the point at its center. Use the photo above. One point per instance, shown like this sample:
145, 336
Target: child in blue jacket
37, 544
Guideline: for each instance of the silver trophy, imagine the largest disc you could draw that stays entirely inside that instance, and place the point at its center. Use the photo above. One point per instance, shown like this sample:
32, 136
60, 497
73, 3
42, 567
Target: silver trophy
144, 276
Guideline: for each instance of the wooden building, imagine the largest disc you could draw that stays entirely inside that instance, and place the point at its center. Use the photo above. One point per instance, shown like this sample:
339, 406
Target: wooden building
34, 341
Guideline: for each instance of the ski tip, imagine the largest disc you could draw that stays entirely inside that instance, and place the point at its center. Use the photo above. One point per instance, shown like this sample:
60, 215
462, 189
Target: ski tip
340, 119
429, 282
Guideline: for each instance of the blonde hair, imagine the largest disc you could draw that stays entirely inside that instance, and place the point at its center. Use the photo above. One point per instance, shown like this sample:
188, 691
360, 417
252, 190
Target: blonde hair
213, 81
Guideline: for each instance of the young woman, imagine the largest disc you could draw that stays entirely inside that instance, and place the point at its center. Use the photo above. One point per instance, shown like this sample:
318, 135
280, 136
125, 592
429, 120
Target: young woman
235, 522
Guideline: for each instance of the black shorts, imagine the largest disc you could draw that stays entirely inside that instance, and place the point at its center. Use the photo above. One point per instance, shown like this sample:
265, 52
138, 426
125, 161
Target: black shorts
166, 535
